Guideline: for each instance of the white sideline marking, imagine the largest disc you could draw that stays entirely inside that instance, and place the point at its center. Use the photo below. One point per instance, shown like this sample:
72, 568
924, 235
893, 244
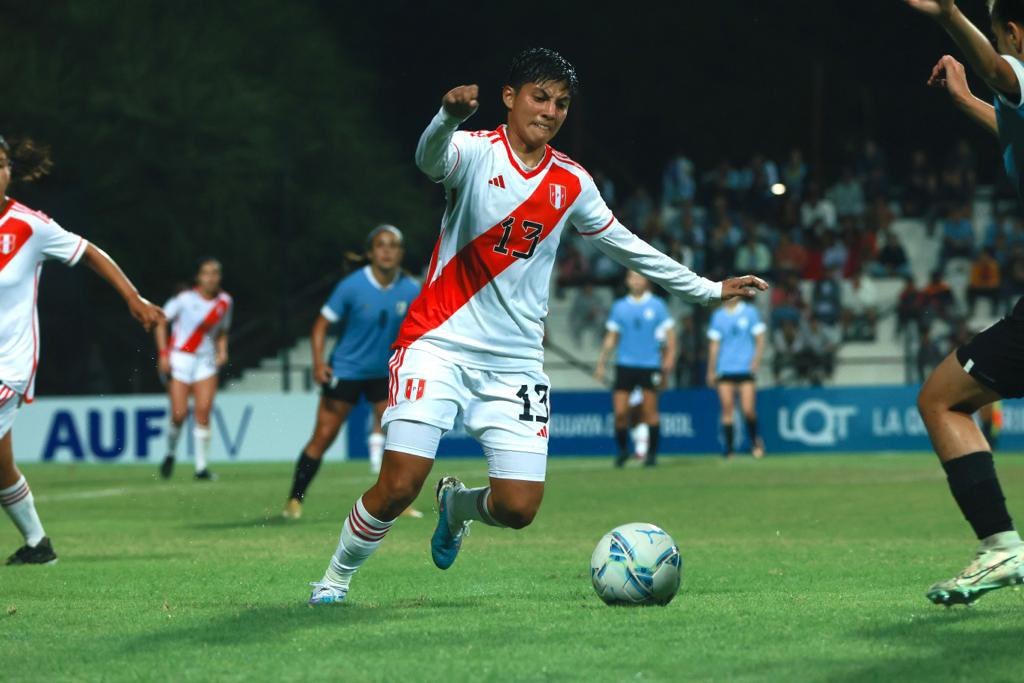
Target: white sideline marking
80, 495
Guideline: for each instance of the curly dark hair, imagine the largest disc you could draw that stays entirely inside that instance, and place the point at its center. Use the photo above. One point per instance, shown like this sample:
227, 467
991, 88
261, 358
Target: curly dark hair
29, 159
542, 65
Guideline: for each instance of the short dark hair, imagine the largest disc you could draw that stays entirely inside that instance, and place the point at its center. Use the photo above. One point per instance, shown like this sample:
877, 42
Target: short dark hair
1005, 11
29, 159
542, 65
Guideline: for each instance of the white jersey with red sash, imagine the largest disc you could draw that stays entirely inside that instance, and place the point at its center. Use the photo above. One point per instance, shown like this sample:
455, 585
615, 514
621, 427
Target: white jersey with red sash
197, 321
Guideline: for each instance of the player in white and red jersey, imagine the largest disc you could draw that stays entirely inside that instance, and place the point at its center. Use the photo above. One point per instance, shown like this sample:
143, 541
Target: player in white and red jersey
197, 348
470, 346
27, 239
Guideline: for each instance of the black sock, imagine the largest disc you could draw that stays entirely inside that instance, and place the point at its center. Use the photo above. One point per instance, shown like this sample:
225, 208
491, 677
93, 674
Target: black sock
622, 439
652, 445
975, 486
752, 430
729, 431
305, 470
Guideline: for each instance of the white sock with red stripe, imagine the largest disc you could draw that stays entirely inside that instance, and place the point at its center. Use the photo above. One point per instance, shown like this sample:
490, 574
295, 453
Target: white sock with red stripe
19, 505
375, 445
361, 534
173, 434
202, 435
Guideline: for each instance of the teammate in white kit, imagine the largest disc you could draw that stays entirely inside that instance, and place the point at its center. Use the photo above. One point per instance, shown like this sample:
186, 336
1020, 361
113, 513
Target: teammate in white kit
470, 346
192, 356
27, 239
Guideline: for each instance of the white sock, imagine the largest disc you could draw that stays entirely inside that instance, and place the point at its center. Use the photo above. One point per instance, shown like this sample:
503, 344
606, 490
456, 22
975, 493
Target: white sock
19, 505
173, 433
471, 505
375, 444
641, 439
202, 435
1004, 540
361, 534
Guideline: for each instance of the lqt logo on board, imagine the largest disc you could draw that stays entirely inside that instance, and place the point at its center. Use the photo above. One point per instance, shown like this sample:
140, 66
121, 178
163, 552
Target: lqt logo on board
816, 423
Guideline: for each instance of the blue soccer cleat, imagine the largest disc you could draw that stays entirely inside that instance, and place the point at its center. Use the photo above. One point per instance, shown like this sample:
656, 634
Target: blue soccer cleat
445, 543
327, 593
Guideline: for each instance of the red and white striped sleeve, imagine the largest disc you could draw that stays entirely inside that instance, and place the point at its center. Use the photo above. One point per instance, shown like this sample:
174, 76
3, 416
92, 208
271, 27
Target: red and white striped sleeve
58, 243
444, 152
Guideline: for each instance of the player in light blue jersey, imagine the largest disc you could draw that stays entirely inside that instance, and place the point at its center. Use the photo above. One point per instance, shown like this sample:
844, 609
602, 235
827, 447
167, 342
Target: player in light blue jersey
734, 355
991, 365
366, 308
640, 331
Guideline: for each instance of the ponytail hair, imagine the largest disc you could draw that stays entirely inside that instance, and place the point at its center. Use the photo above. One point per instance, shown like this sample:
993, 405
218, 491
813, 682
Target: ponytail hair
29, 159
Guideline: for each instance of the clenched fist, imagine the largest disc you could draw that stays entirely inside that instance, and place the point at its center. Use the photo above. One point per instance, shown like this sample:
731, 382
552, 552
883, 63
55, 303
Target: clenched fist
462, 101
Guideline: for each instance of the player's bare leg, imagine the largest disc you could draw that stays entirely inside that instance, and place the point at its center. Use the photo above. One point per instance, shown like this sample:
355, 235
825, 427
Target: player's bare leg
726, 398
401, 478
947, 401
330, 416
652, 418
375, 449
620, 407
17, 501
203, 393
178, 393
748, 404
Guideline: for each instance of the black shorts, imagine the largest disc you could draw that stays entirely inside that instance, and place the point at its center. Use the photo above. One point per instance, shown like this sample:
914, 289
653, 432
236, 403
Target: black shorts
735, 378
995, 357
349, 390
627, 378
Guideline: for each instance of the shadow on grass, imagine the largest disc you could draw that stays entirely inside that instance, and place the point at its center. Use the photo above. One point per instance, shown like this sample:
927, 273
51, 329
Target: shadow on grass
118, 558
954, 644
251, 523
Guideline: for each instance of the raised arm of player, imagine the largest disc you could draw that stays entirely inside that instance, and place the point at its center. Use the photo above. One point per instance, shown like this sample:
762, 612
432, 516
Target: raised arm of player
950, 76
977, 49
142, 310
435, 154
611, 340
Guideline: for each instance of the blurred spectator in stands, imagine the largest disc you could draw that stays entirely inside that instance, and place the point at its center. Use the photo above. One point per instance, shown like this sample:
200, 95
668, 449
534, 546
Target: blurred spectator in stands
929, 352
985, 281
860, 246
921, 193
819, 343
787, 302
959, 176
692, 239
834, 254
826, 299
879, 216
605, 271
871, 168
637, 209
817, 209
753, 256
1000, 227
891, 260
722, 215
814, 268
654, 233
937, 299
605, 187
1015, 238
587, 316
910, 305
957, 234
848, 195
785, 349
723, 180
794, 174
859, 300
959, 335
760, 198
719, 254
1013, 277
691, 366
789, 257
678, 183
573, 266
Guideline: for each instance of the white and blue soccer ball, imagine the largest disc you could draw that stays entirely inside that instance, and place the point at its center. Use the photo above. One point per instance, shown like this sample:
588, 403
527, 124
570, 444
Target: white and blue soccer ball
636, 564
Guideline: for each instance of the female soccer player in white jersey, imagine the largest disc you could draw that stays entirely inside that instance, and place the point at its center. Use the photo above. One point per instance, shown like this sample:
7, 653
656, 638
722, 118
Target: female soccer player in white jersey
470, 346
192, 356
366, 307
27, 239
990, 366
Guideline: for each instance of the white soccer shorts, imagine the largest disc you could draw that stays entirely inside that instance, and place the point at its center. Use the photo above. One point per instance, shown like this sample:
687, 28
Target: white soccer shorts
10, 401
189, 368
506, 412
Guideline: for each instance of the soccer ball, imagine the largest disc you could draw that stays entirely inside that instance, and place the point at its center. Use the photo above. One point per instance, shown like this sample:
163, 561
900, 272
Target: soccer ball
636, 564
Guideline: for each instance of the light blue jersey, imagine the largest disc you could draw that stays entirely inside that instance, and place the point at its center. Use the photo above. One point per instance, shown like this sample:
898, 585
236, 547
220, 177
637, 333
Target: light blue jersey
367, 316
1010, 119
642, 325
737, 332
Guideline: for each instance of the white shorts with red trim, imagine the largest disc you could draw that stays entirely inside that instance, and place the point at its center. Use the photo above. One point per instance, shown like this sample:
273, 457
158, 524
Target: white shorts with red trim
503, 411
10, 401
192, 367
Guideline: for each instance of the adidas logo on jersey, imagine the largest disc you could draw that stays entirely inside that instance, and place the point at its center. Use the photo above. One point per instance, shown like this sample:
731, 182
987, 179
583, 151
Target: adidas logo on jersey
543, 432
497, 181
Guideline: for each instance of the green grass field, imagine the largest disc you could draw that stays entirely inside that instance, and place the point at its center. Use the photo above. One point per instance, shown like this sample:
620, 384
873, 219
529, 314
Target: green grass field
796, 569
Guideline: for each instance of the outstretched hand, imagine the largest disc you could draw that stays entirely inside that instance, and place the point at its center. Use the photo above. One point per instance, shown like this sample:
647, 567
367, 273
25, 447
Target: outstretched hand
745, 286
461, 101
950, 75
933, 8
146, 312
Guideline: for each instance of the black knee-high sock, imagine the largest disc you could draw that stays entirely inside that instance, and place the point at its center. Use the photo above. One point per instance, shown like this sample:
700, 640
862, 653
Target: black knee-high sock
752, 430
975, 486
305, 470
729, 431
622, 439
652, 445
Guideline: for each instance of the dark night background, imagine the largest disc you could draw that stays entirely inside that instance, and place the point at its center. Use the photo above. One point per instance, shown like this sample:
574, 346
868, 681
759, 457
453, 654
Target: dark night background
275, 134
